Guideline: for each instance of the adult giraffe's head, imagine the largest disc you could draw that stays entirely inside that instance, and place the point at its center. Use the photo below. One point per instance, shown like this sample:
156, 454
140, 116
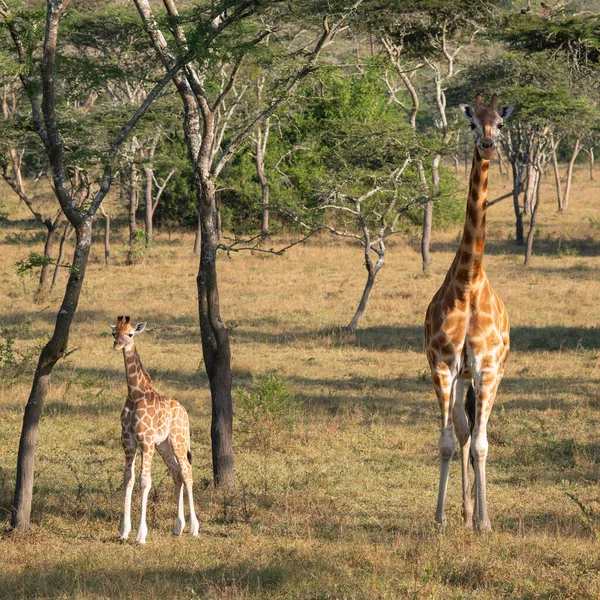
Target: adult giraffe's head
486, 121
124, 331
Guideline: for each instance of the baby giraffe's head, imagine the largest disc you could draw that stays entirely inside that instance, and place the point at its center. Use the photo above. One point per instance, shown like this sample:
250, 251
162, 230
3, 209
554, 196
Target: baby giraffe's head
486, 121
124, 331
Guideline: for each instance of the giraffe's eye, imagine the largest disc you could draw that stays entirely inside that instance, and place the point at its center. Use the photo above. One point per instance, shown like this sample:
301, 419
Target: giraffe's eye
130, 334
473, 126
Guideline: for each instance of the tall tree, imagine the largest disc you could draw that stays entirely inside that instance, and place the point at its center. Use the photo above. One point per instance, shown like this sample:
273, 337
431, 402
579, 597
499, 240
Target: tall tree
218, 32
39, 81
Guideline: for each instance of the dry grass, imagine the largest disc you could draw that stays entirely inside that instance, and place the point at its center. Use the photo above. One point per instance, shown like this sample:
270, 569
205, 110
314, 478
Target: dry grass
339, 503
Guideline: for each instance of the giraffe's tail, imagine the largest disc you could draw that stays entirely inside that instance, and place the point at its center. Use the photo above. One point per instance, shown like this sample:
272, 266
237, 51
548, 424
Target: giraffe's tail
189, 456
470, 406
470, 410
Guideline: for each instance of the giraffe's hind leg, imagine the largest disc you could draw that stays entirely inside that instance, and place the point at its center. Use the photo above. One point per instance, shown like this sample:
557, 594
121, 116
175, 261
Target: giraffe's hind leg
463, 433
444, 382
180, 449
167, 454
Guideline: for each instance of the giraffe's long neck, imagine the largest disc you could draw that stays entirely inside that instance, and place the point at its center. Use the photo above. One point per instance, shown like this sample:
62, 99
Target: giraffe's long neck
469, 257
138, 380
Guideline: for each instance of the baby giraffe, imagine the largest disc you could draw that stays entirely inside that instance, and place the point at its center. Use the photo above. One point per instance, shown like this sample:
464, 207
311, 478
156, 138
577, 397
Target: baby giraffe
151, 421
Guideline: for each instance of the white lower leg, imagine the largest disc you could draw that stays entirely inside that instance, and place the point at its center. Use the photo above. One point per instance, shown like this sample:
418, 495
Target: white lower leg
479, 450
180, 522
142, 531
466, 485
447, 446
128, 481
194, 525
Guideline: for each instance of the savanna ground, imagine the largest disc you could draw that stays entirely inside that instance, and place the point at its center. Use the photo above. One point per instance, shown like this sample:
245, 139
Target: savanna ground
335, 499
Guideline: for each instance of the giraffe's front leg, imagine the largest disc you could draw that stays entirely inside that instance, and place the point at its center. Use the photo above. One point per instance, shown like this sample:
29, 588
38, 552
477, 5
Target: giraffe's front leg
444, 382
130, 448
145, 484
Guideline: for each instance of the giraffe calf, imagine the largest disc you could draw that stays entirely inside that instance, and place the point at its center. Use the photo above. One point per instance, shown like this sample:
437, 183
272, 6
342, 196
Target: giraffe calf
151, 422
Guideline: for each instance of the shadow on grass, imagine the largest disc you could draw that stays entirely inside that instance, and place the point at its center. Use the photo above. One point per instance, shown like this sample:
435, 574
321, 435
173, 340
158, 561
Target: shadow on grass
547, 246
73, 578
386, 337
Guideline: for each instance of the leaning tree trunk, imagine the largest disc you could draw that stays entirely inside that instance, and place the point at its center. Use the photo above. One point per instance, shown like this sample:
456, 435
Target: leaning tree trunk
591, 153
535, 207
52, 352
570, 177
372, 271
215, 340
559, 195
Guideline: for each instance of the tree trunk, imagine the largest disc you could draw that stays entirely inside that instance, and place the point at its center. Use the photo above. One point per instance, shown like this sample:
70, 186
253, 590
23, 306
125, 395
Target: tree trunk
428, 210
106, 239
517, 208
591, 163
218, 206
198, 237
351, 327
51, 236
215, 340
535, 207
149, 175
61, 256
264, 184
559, 195
133, 204
570, 176
529, 197
52, 352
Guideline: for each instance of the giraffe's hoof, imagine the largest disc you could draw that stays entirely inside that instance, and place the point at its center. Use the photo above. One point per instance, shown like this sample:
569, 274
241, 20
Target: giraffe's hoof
194, 528
179, 526
484, 527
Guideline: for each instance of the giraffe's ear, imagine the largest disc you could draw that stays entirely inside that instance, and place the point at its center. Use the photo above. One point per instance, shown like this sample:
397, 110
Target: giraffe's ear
466, 111
506, 110
140, 327
114, 328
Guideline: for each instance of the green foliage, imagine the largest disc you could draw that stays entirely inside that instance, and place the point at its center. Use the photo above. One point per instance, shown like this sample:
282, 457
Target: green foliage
138, 248
538, 85
14, 364
269, 399
32, 263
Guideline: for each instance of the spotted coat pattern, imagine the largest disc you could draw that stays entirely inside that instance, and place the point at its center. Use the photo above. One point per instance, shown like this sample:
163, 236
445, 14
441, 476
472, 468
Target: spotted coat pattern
151, 421
467, 338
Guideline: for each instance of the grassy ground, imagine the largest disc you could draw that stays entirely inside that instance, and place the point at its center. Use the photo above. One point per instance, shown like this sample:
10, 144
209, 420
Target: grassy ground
337, 499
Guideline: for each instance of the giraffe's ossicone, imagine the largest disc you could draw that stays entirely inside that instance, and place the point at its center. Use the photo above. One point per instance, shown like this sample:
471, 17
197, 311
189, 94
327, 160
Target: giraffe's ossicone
151, 421
467, 331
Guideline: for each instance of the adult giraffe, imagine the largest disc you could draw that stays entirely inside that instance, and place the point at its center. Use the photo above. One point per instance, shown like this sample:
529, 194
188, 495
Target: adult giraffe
152, 422
467, 331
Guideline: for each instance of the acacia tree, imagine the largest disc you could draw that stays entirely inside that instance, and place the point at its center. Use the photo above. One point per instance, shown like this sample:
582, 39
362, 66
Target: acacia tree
38, 76
217, 32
